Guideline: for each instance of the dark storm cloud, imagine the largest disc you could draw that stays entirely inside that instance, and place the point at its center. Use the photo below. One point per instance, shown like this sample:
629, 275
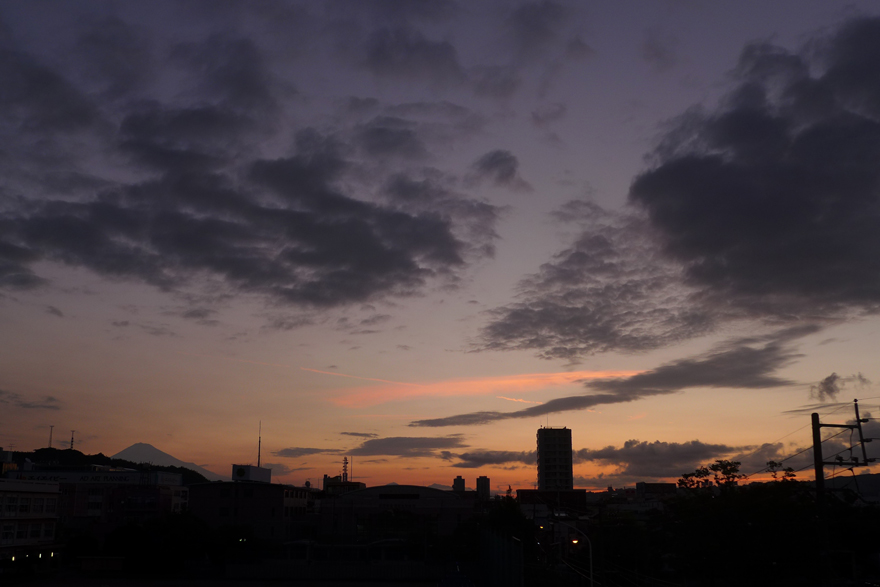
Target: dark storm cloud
502, 168
13, 399
481, 458
655, 459
406, 446
771, 201
205, 210
747, 363
831, 386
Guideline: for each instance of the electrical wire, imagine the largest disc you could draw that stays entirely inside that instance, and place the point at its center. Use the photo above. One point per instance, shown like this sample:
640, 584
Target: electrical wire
800, 453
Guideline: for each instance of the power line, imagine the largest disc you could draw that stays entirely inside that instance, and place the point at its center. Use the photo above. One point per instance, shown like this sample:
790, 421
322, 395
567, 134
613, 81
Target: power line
799, 453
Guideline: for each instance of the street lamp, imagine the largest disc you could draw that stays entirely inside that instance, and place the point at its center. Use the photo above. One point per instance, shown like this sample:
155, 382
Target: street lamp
589, 545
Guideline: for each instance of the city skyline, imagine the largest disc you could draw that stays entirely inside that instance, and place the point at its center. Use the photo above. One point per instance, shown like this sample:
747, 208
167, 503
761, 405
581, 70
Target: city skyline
413, 233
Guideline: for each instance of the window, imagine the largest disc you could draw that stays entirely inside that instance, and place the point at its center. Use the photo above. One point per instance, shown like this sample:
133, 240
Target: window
35, 530
11, 506
21, 532
37, 507
7, 533
24, 505
50, 505
49, 530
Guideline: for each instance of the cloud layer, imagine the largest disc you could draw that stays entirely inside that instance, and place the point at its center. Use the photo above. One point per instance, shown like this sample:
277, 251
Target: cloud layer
185, 165
746, 363
766, 208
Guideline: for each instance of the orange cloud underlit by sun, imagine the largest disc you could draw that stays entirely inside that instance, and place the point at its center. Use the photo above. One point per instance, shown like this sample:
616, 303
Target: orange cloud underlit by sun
511, 384
637, 416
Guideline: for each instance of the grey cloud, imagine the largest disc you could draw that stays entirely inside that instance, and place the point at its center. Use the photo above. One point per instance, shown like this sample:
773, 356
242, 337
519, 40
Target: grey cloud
47, 402
763, 210
549, 113
36, 98
534, 26
279, 469
495, 81
404, 53
201, 210
502, 168
658, 50
831, 386
296, 452
232, 69
656, 459
375, 319
747, 363
289, 322
361, 434
481, 458
610, 290
385, 136
114, 56
770, 202
406, 446
54, 311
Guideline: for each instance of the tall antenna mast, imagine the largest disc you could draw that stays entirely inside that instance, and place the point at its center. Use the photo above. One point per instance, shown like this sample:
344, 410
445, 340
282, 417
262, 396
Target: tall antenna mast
259, 442
71, 439
50, 436
344, 469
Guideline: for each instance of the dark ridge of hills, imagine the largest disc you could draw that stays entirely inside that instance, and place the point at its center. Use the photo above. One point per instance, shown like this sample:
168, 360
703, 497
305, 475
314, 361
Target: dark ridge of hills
72, 458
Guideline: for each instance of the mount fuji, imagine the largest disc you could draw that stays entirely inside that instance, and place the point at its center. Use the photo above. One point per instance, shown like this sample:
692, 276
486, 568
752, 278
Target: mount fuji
141, 452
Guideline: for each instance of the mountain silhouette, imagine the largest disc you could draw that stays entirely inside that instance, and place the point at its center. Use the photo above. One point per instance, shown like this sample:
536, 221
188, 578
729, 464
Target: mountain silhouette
141, 452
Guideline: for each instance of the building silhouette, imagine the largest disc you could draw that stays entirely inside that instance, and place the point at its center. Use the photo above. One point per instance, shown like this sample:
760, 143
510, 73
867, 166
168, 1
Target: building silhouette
554, 459
483, 488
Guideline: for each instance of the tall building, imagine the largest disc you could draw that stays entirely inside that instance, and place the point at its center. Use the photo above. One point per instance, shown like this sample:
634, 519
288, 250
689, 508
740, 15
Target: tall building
483, 487
554, 459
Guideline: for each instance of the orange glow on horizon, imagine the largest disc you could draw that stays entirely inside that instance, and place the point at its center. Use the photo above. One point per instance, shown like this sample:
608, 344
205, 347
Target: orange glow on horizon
376, 394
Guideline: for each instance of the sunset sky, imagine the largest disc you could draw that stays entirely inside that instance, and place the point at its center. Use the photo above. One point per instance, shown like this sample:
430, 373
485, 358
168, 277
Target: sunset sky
412, 233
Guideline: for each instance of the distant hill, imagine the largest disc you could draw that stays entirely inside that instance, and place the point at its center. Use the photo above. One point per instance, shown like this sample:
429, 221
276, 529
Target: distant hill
53, 459
142, 452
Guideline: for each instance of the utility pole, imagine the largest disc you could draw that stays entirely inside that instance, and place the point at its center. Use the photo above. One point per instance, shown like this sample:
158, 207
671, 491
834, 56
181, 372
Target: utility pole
819, 462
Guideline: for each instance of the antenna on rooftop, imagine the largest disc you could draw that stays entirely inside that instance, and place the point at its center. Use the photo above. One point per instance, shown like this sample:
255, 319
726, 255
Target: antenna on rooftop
71, 439
259, 442
344, 469
50, 435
